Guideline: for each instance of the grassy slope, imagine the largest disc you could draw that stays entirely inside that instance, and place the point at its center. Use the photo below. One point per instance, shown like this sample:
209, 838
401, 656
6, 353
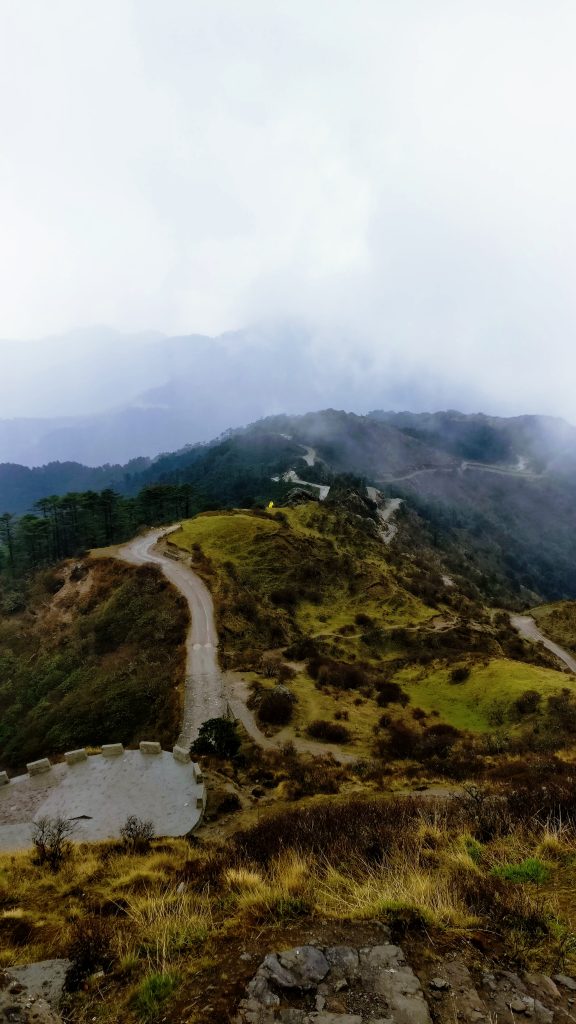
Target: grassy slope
335, 570
98, 661
484, 700
308, 868
348, 572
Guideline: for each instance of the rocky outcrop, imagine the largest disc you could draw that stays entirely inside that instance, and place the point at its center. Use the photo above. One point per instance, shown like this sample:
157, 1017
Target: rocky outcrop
20, 1005
375, 985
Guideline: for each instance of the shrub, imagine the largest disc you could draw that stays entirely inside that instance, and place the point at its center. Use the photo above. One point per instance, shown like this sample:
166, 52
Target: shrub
460, 674
437, 740
51, 839
137, 834
401, 741
229, 803
528, 702
276, 706
284, 597
562, 707
285, 673
363, 620
217, 737
332, 732
91, 949
390, 693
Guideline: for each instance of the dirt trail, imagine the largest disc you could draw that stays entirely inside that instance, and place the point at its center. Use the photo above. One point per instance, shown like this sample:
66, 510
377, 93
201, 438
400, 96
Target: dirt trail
203, 693
526, 626
209, 692
237, 694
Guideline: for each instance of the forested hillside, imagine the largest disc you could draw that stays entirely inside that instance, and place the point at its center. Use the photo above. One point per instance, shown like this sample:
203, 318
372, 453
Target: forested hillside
482, 488
93, 651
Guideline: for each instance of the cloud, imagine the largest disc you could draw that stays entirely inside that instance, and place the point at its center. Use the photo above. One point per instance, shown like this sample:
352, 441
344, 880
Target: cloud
399, 176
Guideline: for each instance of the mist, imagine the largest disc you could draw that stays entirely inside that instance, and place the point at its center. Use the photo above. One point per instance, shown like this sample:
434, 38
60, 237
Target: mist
394, 180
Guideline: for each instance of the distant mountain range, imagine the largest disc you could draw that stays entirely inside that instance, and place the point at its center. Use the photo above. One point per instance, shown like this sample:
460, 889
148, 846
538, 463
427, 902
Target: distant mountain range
98, 396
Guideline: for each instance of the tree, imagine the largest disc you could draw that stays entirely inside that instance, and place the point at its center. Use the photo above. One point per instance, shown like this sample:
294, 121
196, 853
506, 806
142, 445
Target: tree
218, 737
6, 535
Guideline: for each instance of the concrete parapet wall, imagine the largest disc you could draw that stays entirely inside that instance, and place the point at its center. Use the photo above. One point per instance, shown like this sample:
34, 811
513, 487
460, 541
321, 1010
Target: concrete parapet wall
181, 754
75, 756
38, 767
150, 747
99, 791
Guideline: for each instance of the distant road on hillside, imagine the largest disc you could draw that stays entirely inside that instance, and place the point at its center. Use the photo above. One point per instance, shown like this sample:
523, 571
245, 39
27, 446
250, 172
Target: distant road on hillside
527, 628
466, 467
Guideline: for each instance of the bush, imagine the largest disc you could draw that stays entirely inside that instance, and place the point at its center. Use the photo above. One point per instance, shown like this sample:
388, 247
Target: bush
137, 834
363, 620
562, 707
285, 673
528, 702
332, 732
276, 706
91, 949
284, 597
229, 803
460, 674
437, 740
51, 839
401, 741
217, 737
390, 693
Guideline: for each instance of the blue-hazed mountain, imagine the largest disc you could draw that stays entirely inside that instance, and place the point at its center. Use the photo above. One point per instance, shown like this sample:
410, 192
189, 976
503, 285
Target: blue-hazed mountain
98, 396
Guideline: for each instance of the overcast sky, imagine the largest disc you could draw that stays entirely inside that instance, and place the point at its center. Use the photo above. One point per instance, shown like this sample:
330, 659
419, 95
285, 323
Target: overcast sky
399, 173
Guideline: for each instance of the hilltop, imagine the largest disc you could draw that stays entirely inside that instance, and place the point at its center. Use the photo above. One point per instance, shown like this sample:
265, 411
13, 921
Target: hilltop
482, 488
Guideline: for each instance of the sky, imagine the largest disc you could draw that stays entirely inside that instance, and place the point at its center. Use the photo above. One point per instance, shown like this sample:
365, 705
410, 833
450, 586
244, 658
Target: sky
398, 175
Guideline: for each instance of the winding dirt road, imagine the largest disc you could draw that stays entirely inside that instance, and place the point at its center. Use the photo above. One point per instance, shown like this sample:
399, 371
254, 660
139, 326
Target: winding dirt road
204, 688
209, 691
526, 626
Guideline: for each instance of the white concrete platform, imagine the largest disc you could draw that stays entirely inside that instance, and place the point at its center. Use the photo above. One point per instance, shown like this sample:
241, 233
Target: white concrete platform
99, 793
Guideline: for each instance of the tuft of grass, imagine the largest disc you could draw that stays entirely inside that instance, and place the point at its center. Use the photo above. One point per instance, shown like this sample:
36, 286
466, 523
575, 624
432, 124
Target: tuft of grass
152, 994
167, 923
282, 892
529, 870
380, 891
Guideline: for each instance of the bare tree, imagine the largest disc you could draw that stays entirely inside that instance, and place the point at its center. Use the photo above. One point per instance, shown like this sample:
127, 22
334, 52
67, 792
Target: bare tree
51, 838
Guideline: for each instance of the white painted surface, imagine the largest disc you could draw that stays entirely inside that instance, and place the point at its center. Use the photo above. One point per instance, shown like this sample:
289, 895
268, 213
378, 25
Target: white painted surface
101, 793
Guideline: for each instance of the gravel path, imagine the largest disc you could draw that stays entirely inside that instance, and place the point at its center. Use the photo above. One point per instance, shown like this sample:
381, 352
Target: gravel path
526, 626
209, 691
203, 694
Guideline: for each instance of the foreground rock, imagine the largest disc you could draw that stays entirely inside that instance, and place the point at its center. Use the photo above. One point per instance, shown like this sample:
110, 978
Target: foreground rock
375, 985
19, 1005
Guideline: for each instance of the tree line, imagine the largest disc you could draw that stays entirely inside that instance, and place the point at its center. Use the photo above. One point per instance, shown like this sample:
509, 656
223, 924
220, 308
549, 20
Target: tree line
65, 526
